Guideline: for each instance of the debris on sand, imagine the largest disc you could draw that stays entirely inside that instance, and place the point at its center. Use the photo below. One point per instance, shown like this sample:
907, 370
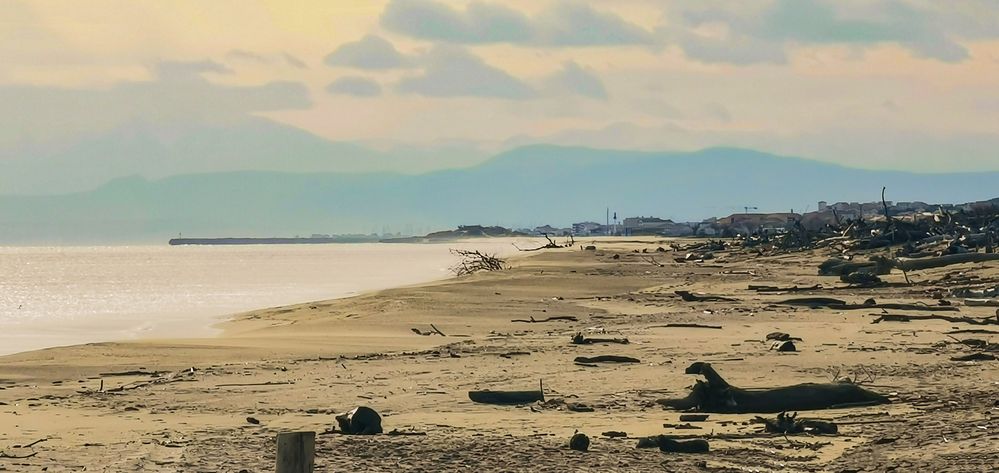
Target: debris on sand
579, 442
716, 395
786, 423
359, 421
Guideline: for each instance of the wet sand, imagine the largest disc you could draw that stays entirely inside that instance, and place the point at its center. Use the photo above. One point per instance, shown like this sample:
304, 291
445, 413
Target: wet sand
293, 368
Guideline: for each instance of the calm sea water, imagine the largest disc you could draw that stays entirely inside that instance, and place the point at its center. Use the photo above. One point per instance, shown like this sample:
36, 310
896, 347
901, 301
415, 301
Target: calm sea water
52, 296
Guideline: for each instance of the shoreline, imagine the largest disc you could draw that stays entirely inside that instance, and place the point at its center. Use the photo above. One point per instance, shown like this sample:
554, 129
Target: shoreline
131, 324
294, 367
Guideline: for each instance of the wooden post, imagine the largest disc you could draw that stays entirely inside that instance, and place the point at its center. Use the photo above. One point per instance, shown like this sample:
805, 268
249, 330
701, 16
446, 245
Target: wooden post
296, 452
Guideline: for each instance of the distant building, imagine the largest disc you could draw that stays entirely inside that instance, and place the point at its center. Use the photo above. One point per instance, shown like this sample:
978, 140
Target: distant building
746, 224
655, 226
588, 228
550, 230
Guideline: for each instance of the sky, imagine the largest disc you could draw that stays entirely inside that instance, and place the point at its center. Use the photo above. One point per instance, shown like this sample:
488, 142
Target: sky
894, 84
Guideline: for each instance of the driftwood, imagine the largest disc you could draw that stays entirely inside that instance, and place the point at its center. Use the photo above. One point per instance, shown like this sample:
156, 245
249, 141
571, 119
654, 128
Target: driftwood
532, 320
670, 445
606, 359
569, 243
716, 395
812, 302
296, 452
433, 331
685, 325
759, 288
781, 336
508, 397
790, 424
837, 304
689, 297
913, 264
975, 357
956, 320
579, 339
473, 261
177, 376
838, 267
17, 457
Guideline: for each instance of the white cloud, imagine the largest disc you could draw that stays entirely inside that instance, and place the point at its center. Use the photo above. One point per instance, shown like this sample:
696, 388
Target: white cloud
454, 72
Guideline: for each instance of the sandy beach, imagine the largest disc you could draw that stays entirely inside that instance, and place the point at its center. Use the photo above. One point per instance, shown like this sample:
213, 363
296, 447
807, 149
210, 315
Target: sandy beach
185, 404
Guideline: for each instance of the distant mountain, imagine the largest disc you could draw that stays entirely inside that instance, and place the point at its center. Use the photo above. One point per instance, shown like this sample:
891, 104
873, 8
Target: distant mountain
160, 150
525, 186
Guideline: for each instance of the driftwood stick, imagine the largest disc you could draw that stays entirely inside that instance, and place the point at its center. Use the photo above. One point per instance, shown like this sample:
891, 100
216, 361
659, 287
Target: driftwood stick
759, 288
268, 383
437, 330
685, 325
36, 442
15, 457
532, 320
956, 320
579, 339
606, 359
690, 297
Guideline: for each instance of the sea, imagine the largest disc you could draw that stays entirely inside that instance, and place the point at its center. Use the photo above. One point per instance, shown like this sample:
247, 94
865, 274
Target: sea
54, 296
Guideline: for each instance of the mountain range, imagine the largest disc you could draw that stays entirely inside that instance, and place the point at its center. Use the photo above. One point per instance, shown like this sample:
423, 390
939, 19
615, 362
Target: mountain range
525, 186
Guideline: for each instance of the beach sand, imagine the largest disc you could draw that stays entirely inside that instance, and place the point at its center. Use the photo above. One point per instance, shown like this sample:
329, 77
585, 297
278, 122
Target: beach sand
183, 404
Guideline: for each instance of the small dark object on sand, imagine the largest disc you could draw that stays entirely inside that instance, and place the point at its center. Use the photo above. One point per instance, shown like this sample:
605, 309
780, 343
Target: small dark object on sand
360, 421
579, 442
667, 444
786, 345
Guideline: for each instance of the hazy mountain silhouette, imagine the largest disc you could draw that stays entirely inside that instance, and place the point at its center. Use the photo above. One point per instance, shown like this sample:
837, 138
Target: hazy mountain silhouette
157, 150
525, 186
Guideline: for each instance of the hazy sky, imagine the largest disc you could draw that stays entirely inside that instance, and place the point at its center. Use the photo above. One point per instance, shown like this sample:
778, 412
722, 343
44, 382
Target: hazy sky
883, 84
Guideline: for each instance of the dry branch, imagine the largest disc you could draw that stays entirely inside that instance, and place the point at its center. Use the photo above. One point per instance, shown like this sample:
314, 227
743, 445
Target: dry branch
951, 319
532, 320
473, 261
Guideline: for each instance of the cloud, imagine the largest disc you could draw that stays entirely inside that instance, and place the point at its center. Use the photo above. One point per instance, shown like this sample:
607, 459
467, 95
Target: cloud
250, 56
454, 72
370, 52
578, 80
246, 56
49, 116
294, 61
565, 24
478, 23
577, 24
757, 31
187, 70
356, 86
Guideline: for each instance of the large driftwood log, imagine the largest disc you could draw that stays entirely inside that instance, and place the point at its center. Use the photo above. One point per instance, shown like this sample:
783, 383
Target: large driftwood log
716, 395
296, 452
951, 319
508, 397
907, 264
830, 303
690, 297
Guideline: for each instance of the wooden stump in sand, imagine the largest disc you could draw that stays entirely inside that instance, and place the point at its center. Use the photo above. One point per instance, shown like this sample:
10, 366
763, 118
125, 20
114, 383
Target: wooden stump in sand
296, 452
